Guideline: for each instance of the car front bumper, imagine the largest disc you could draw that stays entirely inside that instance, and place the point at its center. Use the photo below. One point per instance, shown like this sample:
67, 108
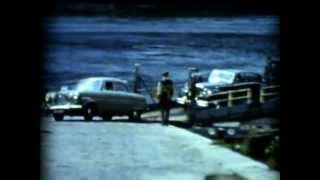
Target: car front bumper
68, 109
183, 100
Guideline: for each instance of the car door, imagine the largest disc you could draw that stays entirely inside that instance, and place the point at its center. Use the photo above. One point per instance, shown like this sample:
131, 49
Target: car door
106, 97
113, 98
124, 100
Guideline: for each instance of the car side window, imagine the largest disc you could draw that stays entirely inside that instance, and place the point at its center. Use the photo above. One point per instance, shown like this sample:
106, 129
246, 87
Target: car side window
251, 77
247, 77
108, 86
120, 87
238, 78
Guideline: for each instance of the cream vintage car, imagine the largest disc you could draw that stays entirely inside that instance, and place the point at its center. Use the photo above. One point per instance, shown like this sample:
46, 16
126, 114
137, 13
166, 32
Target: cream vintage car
96, 96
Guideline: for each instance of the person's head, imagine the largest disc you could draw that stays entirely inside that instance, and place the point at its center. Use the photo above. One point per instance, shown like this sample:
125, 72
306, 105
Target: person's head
165, 75
194, 69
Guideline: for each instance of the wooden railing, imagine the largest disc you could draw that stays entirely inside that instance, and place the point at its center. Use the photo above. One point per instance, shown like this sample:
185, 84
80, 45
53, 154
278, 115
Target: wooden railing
269, 92
229, 97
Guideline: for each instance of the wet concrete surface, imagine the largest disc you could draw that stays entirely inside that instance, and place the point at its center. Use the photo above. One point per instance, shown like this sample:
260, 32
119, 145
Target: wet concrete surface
120, 150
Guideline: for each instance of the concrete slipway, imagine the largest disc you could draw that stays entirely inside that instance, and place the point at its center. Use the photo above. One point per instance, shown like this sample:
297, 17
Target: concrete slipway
121, 150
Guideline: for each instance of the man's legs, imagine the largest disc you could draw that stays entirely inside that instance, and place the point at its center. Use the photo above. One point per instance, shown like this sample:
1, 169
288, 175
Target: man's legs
167, 113
163, 116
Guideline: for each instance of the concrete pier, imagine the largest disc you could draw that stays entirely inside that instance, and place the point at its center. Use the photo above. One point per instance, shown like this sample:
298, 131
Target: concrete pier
120, 150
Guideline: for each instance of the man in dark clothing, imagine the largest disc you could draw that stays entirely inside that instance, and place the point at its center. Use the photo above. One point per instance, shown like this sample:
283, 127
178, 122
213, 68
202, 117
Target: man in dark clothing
194, 78
193, 91
165, 92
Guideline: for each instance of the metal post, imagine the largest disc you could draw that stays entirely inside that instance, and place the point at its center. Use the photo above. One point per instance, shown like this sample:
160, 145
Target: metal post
229, 104
249, 96
191, 71
230, 99
262, 95
136, 78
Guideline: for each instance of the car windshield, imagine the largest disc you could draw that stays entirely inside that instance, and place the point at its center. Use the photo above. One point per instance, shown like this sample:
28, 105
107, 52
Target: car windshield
87, 85
221, 77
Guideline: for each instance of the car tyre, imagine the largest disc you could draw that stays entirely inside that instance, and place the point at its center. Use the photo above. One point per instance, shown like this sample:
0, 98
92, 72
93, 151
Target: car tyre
58, 116
89, 112
135, 116
107, 117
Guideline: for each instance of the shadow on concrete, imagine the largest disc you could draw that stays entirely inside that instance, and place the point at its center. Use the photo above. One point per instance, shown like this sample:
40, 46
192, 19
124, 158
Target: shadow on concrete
179, 124
224, 177
43, 131
144, 121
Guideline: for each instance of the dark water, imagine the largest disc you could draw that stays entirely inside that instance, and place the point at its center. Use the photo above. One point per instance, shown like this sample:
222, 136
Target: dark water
79, 47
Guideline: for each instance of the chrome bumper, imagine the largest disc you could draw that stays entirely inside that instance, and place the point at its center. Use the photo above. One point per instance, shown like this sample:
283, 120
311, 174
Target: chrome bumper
182, 100
65, 108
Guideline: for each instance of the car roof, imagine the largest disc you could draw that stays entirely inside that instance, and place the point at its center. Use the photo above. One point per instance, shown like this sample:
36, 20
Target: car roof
234, 71
229, 70
111, 79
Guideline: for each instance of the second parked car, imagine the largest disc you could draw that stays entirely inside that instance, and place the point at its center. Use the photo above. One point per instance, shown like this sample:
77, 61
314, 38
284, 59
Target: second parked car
220, 80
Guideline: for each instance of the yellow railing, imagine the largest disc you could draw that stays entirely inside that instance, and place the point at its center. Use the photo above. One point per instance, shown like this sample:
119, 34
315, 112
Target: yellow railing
229, 97
246, 94
269, 91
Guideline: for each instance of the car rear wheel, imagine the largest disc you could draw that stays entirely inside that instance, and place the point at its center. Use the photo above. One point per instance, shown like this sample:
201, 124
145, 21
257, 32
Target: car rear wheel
135, 116
58, 116
106, 117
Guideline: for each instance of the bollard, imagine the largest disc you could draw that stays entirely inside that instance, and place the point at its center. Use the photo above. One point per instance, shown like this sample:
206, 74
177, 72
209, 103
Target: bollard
136, 83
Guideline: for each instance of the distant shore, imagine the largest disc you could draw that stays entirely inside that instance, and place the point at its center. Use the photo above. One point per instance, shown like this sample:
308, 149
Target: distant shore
103, 9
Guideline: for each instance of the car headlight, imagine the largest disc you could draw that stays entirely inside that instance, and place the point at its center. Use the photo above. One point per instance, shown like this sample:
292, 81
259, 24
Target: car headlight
73, 96
49, 97
209, 92
212, 132
206, 92
231, 132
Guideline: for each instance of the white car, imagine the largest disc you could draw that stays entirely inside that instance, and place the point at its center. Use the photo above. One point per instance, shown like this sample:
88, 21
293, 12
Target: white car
96, 96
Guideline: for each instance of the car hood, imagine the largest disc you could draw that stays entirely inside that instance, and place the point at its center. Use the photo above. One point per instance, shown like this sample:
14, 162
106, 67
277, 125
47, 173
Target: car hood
65, 92
208, 85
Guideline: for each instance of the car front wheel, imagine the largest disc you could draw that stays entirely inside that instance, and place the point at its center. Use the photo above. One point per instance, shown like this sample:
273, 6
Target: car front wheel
88, 113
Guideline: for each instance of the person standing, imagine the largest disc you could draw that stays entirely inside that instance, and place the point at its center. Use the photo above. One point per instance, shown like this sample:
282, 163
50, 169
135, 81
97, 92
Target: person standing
165, 92
194, 78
